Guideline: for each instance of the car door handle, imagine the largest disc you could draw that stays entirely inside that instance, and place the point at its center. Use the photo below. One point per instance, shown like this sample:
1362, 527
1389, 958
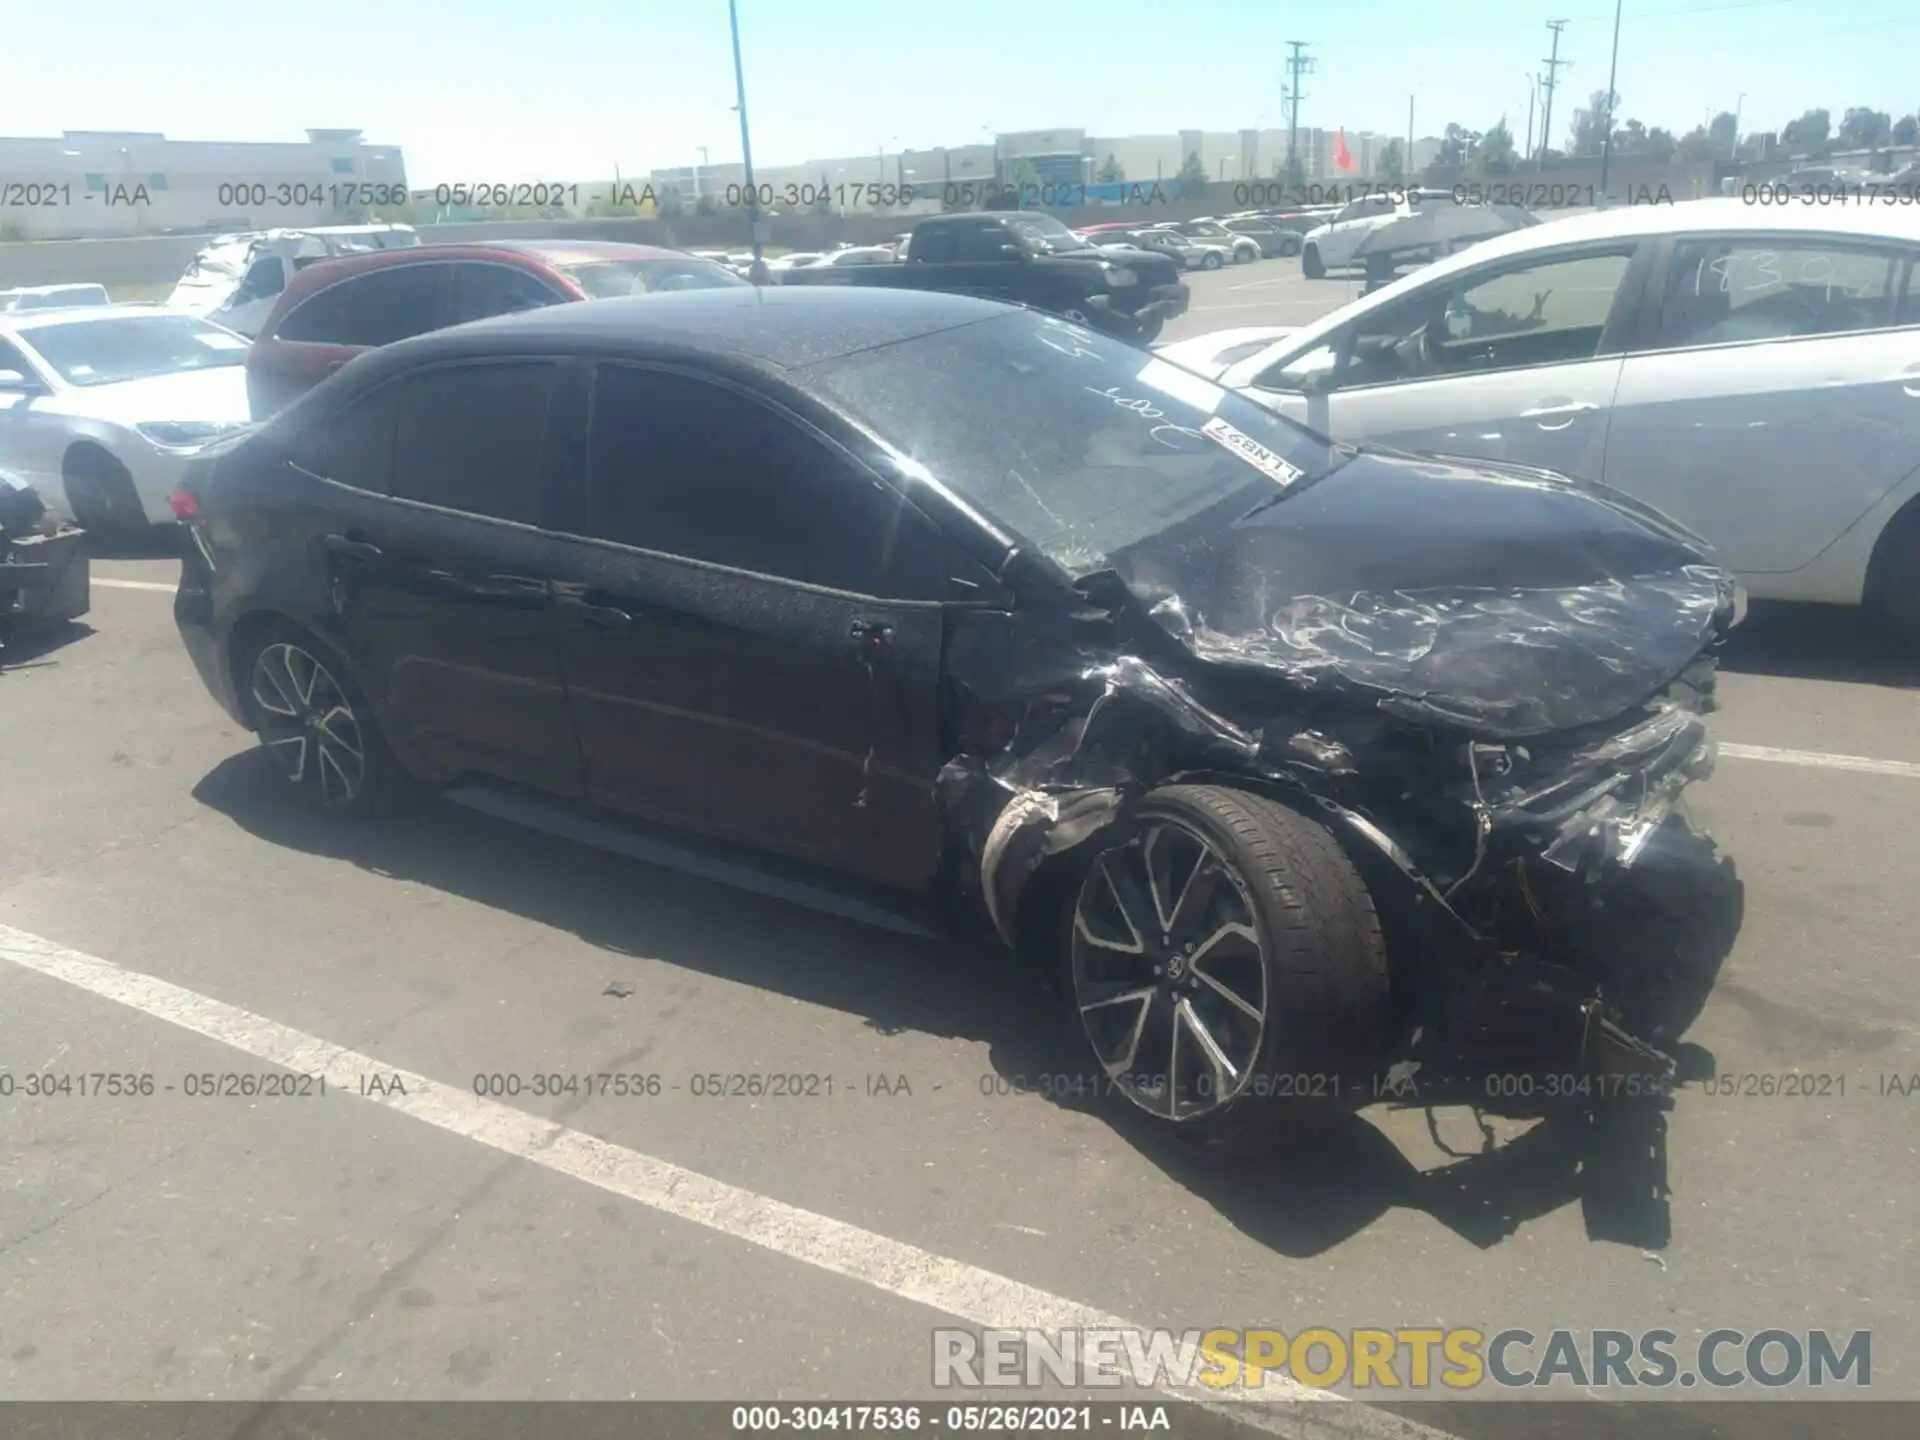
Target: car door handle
349, 548
600, 617
1565, 412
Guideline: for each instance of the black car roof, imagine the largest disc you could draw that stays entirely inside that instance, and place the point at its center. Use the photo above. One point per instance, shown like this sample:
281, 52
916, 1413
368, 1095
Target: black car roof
770, 326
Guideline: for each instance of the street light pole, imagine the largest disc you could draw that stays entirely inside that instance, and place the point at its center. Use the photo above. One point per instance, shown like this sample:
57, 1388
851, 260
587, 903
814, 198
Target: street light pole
1733, 145
1613, 69
1533, 94
696, 174
746, 144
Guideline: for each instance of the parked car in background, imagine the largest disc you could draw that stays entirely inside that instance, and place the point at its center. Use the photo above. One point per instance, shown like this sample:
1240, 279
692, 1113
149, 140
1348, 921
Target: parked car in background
957, 617
236, 280
794, 259
1751, 371
51, 297
1272, 238
858, 255
333, 312
1333, 244
1241, 249
1192, 254
101, 405
1031, 259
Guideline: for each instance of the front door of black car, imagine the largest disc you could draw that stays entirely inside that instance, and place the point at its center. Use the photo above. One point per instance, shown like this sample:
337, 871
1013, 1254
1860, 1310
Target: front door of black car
444, 587
752, 630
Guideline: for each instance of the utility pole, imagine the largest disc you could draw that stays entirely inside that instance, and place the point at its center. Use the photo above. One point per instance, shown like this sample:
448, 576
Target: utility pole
757, 230
1613, 69
1533, 98
1298, 64
1550, 84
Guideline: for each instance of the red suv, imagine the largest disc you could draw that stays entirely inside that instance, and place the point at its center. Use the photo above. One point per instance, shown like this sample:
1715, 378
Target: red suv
333, 310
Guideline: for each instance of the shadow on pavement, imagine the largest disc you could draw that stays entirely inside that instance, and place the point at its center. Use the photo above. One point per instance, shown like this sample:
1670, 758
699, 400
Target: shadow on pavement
1613, 1163
31, 647
1822, 642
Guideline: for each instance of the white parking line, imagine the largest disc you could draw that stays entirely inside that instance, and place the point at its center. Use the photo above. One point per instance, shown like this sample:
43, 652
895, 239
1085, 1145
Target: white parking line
977, 1296
1821, 760
132, 584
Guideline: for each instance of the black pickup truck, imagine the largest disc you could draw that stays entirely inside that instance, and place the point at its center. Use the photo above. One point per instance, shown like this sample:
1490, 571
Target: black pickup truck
1027, 258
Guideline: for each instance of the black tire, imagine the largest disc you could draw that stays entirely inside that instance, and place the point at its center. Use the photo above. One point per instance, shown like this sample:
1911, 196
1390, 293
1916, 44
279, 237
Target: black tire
1148, 331
1893, 575
295, 690
1242, 256
1212, 261
1311, 266
101, 495
1290, 246
1314, 967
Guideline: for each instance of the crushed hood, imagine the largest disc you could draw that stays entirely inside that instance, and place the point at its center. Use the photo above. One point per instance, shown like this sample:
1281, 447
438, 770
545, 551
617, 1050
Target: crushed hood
1504, 601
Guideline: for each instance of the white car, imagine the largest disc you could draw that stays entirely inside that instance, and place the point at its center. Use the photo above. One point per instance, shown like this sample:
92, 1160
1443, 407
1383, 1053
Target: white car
52, 297
795, 260
236, 279
1206, 231
1752, 372
101, 407
856, 255
1332, 244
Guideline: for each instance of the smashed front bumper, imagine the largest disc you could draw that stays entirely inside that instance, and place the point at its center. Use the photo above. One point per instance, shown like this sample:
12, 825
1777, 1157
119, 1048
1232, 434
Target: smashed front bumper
1581, 804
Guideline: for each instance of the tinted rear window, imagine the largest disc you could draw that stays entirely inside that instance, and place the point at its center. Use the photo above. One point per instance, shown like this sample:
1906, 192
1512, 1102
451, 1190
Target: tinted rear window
377, 308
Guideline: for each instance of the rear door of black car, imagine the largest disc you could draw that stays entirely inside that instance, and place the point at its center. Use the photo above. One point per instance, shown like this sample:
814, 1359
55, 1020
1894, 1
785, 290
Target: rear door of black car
444, 586
751, 626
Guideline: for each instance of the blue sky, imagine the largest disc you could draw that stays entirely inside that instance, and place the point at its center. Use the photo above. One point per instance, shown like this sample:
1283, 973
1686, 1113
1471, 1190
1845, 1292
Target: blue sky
513, 89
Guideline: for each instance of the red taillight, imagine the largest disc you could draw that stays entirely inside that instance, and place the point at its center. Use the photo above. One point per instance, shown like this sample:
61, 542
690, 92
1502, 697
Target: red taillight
185, 504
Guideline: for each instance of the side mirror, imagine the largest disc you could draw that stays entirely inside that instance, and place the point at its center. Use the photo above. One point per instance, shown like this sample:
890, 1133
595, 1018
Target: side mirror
1318, 382
1012, 251
17, 381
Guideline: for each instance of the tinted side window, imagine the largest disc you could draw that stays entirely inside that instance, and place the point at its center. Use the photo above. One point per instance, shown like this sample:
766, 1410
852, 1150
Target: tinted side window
1910, 304
377, 308
353, 446
983, 242
482, 290
689, 468
12, 359
268, 276
1723, 290
474, 438
937, 244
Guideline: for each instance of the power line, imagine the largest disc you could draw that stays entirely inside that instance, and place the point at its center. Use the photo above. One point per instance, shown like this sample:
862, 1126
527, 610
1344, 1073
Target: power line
1550, 83
1299, 63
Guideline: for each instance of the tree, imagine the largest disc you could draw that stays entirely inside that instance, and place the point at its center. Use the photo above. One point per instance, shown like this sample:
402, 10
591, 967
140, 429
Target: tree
1111, 172
1865, 129
1192, 176
1495, 154
1660, 145
1695, 146
704, 205
1393, 163
1724, 130
1025, 177
1590, 122
1905, 129
1810, 132
668, 202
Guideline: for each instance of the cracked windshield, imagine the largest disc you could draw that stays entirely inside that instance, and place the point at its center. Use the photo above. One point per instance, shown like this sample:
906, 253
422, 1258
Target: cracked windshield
721, 722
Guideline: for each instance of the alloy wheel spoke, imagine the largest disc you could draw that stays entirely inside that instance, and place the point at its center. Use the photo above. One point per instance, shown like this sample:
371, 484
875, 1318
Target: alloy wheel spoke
334, 727
1226, 1076
1159, 854
281, 702
1129, 1048
335, 783
291, 751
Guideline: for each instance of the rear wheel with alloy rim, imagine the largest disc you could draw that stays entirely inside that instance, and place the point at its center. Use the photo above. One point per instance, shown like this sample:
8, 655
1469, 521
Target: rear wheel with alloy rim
1212, 262
315, 726
1227, 970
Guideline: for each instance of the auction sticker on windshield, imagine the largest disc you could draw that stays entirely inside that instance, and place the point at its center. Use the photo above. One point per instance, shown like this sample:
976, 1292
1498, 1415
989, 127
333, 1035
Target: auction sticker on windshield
217, 341
1251, 451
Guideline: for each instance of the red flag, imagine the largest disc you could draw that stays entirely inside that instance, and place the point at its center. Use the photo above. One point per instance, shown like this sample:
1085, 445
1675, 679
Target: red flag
1343, 157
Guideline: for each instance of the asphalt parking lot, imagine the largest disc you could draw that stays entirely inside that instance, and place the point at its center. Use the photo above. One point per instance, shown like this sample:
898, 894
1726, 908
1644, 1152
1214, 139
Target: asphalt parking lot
163, 913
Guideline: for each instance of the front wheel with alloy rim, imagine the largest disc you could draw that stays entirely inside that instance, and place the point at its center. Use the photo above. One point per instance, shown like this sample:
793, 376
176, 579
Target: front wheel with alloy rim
1227, 970
1212, 262
316, 727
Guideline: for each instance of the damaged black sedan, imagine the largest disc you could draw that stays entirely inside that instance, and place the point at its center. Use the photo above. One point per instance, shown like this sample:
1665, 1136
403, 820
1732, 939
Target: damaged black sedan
1298, 765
